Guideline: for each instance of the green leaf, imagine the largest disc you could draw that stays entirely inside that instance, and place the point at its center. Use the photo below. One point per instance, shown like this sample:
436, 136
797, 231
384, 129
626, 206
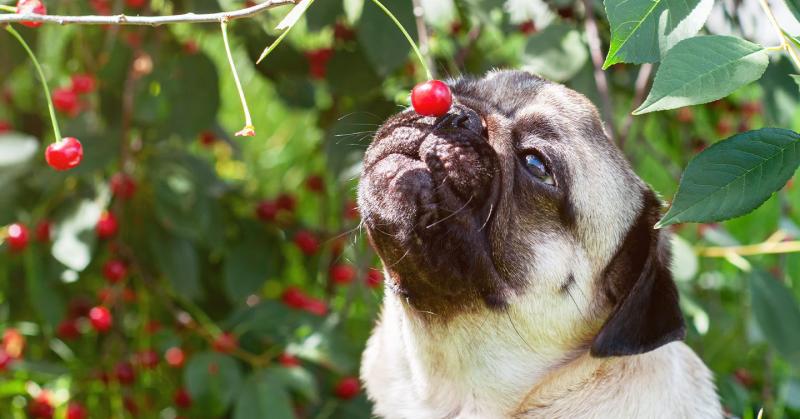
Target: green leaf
384, 45
734, 176
557, 53
213, 379
796, 79
781, 94
702, 69
324, 13
43, 295
777, 313
177, 259
247, 265
642, 31
264, 396
794, 7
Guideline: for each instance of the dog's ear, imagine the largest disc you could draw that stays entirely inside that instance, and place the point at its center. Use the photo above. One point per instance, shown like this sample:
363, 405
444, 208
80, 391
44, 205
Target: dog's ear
639, 282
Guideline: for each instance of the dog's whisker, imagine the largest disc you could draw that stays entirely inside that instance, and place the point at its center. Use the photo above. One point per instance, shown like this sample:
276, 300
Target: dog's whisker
488, 217
514, 326
451, 215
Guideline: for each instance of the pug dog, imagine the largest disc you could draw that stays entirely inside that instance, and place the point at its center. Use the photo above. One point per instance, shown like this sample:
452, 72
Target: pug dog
524, 278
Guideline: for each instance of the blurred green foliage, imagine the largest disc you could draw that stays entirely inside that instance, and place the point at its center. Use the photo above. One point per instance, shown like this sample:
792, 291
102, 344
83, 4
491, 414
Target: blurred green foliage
256, 240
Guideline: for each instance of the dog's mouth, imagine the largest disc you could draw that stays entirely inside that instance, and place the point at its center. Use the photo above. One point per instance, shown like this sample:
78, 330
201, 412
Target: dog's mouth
427, 195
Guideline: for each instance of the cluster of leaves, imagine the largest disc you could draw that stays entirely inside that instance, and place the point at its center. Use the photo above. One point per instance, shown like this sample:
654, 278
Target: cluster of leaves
179, 271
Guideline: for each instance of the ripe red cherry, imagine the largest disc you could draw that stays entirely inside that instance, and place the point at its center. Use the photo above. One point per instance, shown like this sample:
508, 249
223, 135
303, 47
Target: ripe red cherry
64, 154
315, 183
68, 330
5, 360
13, 343
225, 343
307, 242
107, 226
342, 273
41, 407
42, 232
208, 138
115, 271
83, 83
431, 98
267, 210
5, 126
527, 27
76, 411
175, 357
31, 6
286, 202
294, 297
17, 237
288, 360
136, 4
65, 100
100, 318
123, 186
316, 307
182, 398
148, 358
374, 278
125, 373
347, 388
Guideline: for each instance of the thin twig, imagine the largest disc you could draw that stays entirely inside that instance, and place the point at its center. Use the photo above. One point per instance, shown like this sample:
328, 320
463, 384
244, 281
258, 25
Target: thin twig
593, 37
784, 42
766, 248
249, 129
642, 81
422, 34
146, 20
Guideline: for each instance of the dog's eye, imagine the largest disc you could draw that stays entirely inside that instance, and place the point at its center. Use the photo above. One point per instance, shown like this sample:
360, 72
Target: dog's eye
538, 169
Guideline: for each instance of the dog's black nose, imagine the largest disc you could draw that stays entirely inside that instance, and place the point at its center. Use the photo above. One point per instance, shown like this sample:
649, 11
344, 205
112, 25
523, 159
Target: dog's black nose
463, 118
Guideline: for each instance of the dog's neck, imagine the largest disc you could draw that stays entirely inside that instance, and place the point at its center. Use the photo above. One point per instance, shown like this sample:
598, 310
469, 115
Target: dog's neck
473, 367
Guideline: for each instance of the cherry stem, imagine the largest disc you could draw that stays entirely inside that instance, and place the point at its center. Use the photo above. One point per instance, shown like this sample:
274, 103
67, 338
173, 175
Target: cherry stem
248, 120
50, 108
408, 37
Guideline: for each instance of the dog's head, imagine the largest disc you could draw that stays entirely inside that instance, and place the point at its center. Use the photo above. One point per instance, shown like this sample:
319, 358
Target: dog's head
517, 199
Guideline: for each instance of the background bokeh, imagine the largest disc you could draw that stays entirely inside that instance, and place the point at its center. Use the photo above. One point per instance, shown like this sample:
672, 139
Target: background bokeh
237, 283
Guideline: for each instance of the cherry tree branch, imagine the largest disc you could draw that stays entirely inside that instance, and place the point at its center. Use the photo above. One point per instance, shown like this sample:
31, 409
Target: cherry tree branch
147, 20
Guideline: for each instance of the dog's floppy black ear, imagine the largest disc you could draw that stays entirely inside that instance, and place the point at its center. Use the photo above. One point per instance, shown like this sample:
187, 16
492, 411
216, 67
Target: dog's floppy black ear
639, 282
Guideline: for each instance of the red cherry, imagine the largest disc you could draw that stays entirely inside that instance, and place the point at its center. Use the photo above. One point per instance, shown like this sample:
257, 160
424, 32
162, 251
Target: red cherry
456, 27
107, 225
136, 4
148, 358
31, 7
182, 398
342, 273
744, 377
79, 307
315, 183
41, 407
125, 373
100, 318
17, 237
288, 360
5, 126
190, 47
102, 7
431, 98
76, 411
130, 405
750, 109
267, 210
65, 100
152, 327
527, 27
175, 357
64, 154
347, 388
225, 343
343, 33
286, 202
294, 297
374, 278
316, 307
208, 138
83, 83
685, 115
123, 186
318, 61
68, 330
5, 360
13, 343
43, 231
724, 127
306, 241
115, 271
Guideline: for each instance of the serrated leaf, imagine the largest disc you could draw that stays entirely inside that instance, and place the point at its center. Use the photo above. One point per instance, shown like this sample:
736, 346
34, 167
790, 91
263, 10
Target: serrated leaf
384, 45
703, 69
557, 53
213, 379
642, 31
734, 176
777, 313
